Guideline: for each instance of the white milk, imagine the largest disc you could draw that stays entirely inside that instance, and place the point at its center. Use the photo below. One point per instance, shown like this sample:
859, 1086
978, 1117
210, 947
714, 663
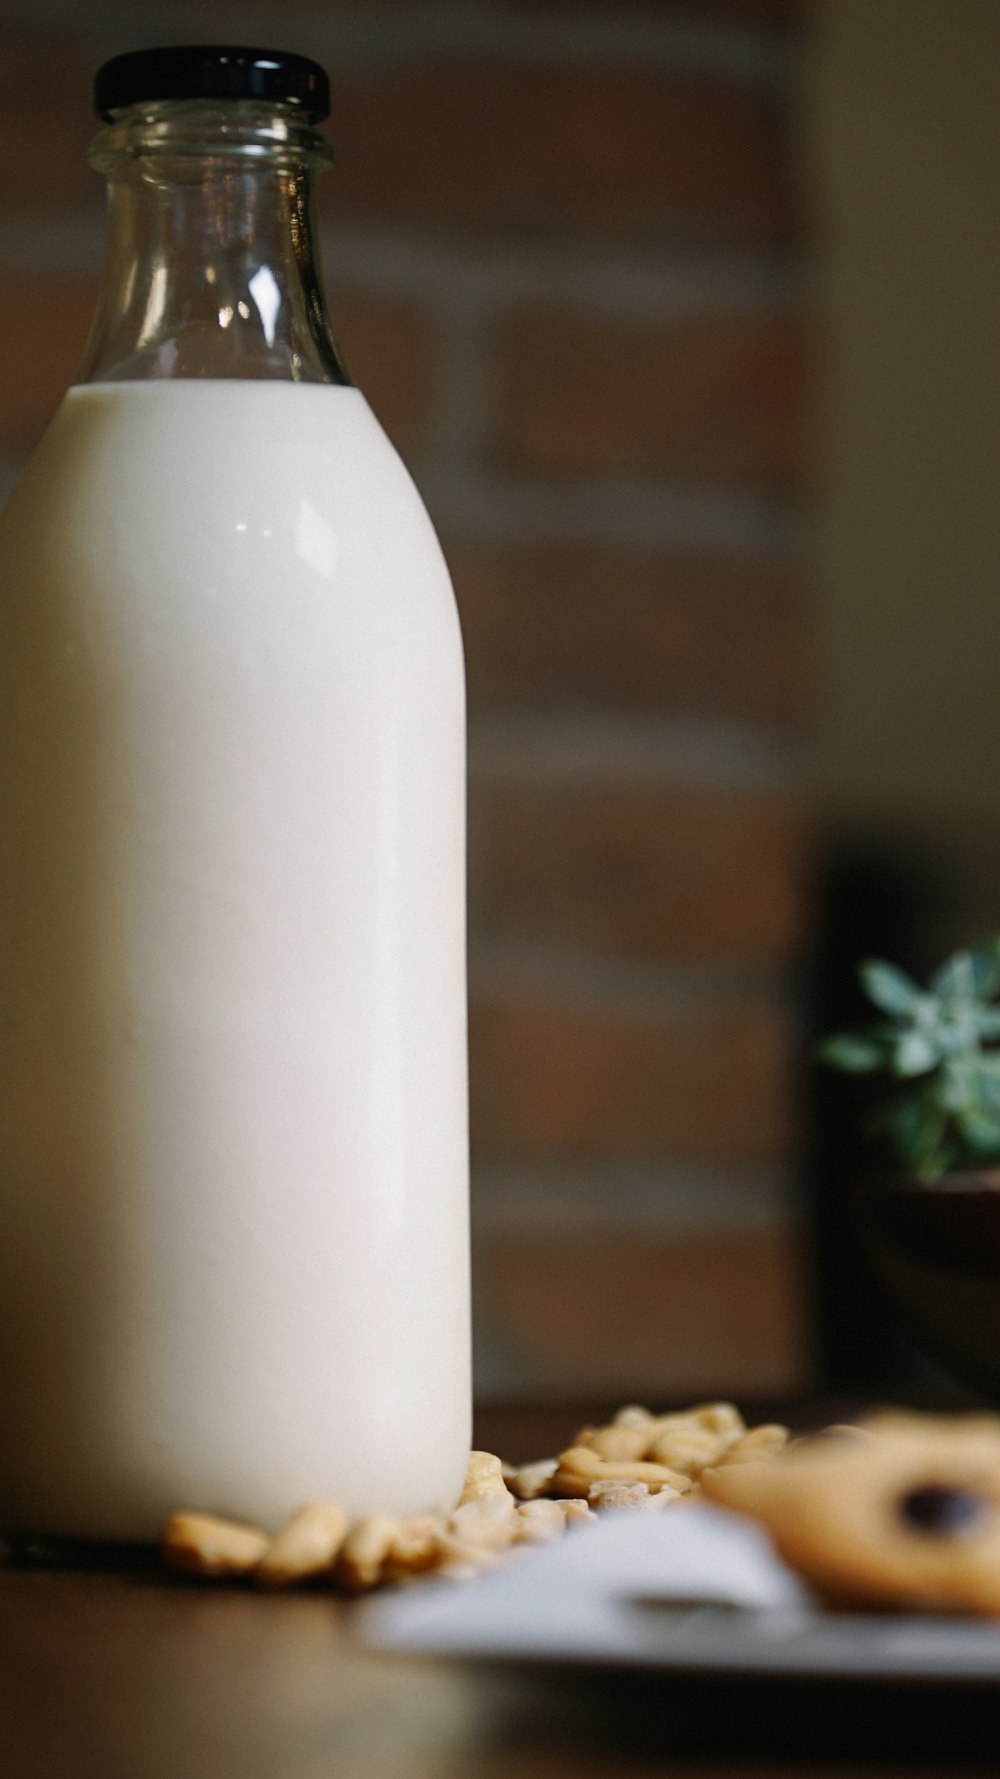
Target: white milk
233, 1170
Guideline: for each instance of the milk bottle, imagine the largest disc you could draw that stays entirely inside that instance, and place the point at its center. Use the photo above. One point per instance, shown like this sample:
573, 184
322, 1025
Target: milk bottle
233, 1152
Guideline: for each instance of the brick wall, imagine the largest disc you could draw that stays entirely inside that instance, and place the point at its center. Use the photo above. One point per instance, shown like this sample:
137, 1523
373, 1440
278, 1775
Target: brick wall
560, 243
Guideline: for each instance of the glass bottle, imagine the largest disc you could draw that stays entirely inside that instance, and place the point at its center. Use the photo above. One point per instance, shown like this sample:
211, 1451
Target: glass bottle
233, 1150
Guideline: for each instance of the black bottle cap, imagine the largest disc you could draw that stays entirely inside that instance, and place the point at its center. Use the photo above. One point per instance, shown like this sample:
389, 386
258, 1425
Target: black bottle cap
211, 71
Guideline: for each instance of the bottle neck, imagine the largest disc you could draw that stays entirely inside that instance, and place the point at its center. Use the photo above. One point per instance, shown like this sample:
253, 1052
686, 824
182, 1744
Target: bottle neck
211, 266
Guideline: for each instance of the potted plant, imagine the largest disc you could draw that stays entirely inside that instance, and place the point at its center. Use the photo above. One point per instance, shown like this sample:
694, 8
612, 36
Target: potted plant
930, 1222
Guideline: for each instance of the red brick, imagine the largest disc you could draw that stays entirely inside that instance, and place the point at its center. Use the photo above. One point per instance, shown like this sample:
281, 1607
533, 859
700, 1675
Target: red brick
388, 350
43, 330
552, 149
46, 123
568, 1080
710, 397
569, 627
645, 871
647, 1315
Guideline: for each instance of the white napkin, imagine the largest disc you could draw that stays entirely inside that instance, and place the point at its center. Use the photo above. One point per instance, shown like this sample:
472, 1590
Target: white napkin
595, 1592
688, 1589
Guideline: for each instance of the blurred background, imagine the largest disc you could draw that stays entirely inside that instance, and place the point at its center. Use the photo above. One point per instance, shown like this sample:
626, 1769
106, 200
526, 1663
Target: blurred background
684, 315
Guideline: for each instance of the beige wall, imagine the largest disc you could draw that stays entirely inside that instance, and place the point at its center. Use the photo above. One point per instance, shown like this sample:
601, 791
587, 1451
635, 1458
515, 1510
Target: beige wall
904, 125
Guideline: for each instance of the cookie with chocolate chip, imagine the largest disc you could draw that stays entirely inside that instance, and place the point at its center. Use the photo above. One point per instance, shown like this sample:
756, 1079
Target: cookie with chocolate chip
901, 1512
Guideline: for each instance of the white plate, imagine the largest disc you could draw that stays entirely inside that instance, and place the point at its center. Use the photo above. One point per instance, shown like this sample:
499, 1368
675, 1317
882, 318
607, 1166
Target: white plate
691, 1591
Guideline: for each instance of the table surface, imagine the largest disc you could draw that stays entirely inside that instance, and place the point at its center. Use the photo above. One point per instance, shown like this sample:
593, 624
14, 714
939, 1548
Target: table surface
121, 1673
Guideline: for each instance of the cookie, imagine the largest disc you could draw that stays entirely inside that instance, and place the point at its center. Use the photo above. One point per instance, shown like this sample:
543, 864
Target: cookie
902, 1511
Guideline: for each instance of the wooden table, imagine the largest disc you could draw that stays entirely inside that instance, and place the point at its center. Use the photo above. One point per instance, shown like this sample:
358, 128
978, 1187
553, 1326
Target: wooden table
122, 1674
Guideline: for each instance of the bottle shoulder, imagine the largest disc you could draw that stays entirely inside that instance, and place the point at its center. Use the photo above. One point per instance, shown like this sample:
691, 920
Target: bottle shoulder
229, 447
255, 490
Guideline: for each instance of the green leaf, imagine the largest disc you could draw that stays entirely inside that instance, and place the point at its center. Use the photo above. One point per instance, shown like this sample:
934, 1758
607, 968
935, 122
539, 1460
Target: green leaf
956, 978
981, 1132
890, 988
986, 969
958, 1085
854, 1054
982, 1068
937, 1162
987, 1062
916, 1127
915, 1054
989, 1022
970, 975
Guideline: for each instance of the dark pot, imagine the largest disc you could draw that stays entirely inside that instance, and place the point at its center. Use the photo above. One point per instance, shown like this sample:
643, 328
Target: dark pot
936, 1250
